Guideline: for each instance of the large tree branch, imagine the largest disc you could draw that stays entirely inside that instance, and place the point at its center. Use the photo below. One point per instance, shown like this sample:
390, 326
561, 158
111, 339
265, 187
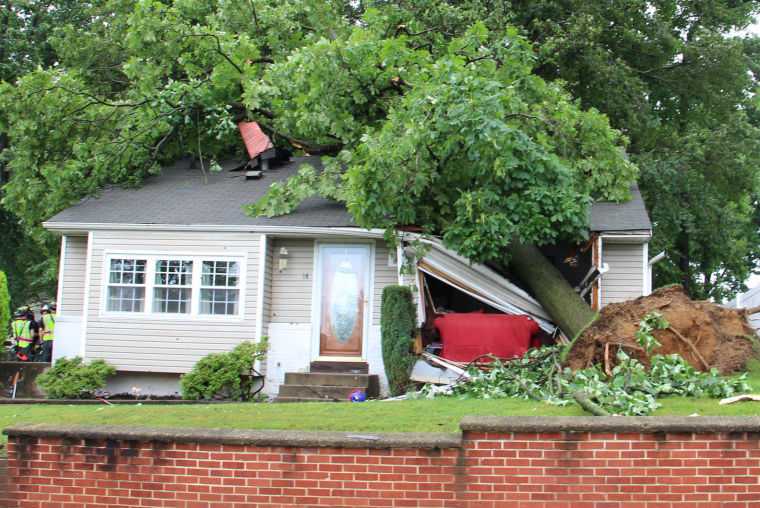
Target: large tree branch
307, 146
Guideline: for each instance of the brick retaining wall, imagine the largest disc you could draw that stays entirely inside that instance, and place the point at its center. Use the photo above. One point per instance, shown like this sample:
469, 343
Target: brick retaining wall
496, 461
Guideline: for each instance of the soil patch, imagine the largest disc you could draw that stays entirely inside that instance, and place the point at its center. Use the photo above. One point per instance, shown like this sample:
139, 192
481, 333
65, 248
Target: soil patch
703, 333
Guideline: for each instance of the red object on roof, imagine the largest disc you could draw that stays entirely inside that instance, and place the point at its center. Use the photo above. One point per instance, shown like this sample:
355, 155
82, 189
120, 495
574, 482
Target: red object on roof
255, 140
467, 336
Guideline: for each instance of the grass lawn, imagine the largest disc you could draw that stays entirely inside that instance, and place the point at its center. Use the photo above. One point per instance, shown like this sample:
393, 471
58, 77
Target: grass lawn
436, 415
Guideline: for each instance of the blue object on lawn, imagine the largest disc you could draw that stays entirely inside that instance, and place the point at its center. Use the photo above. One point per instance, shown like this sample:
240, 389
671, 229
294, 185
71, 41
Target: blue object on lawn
357, 396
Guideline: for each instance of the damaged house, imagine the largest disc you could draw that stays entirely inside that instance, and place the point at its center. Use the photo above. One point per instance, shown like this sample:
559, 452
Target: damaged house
153, 279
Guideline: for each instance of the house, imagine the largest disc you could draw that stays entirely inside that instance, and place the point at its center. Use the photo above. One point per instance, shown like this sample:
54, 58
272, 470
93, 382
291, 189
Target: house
748, 300
152, 279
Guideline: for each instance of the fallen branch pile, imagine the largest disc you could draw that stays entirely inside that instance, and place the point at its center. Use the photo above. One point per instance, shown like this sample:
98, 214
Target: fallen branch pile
628, 388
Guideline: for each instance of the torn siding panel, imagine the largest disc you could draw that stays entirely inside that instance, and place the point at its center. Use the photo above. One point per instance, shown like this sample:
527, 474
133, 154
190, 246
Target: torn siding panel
483, 284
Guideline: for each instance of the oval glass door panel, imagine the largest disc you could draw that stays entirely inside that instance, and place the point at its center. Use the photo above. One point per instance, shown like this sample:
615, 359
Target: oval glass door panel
343, 281
344, 301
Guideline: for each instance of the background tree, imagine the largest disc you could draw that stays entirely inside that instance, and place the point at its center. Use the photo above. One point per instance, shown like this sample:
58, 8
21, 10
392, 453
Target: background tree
669, 75
27, 27
5, 307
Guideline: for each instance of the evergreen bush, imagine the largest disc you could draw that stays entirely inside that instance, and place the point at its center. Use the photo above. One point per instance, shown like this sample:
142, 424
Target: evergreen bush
398, 318
224, 375
73, 379
5, 305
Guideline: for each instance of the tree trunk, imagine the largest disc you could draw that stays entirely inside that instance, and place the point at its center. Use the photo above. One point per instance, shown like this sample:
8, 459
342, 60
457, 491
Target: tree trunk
568, 310
683, 247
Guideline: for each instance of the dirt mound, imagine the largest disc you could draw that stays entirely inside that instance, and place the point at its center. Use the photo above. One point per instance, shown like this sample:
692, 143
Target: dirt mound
703, 333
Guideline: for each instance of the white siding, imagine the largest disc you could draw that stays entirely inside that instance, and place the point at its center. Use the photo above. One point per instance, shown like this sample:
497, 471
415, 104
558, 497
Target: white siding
172, 343
385, 275
625, 279
292, 287
289, 351
748, 300
72, 285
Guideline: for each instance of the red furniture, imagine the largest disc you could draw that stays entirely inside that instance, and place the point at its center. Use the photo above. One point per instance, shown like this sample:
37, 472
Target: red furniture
467, 336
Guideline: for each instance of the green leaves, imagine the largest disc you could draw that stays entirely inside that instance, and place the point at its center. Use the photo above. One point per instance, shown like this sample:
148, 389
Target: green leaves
630, 390
224, 375
73, 379
651, 322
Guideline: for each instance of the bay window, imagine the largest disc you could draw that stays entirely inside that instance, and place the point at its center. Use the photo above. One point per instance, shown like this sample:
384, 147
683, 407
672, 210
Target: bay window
173, 285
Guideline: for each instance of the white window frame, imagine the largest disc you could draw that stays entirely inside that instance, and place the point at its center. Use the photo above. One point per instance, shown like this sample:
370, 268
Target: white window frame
150, 285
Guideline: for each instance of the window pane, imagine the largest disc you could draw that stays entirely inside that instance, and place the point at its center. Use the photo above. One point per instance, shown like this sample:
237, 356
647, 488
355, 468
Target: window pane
174, 273
219, 301
171, 300
126, 299
220, 273
128, 295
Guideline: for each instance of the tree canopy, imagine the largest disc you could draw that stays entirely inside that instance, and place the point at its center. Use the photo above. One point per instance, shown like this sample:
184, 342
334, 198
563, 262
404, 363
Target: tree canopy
487, 122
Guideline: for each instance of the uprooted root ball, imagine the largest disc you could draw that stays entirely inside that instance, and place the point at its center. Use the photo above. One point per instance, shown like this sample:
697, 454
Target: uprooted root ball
705, 334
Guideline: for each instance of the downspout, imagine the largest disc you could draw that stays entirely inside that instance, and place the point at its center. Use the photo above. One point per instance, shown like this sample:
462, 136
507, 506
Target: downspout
646, 279
261, 286
596, 290
650, 267
61, 274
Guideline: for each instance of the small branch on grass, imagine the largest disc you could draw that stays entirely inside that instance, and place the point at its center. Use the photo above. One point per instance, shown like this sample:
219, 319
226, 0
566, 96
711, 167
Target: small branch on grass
693, 349
586, 403
530, 392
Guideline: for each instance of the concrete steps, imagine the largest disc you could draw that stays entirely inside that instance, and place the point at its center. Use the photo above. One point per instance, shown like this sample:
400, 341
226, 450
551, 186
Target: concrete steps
325, 387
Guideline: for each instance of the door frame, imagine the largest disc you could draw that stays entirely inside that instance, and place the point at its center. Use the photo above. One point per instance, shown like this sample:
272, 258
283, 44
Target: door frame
316, 302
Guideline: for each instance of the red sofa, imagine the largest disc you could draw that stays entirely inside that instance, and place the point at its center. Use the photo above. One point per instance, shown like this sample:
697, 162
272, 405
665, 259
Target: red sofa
467, 336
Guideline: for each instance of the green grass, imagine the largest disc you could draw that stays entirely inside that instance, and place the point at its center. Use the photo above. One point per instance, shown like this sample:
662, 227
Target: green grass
439, 415
436, 415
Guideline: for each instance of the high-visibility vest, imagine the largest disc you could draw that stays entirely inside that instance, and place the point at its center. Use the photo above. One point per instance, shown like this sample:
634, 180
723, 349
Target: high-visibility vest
48, 325
22, 332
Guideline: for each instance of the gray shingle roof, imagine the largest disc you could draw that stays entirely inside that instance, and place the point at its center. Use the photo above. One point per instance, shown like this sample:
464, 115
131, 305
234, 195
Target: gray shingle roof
620, 217
179, 196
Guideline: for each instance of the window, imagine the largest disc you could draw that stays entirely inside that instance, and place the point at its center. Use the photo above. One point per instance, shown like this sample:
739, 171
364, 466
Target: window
126, 285
219, 292
173, 290
161, 285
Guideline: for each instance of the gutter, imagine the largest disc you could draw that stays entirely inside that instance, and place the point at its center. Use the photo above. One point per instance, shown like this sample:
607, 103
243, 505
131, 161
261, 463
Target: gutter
650, 266
73, 228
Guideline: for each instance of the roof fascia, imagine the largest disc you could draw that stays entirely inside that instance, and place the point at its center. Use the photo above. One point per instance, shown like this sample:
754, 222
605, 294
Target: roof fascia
76, 228
627, 237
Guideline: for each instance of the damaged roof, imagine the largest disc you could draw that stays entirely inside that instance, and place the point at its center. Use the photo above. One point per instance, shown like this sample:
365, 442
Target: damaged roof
186, 197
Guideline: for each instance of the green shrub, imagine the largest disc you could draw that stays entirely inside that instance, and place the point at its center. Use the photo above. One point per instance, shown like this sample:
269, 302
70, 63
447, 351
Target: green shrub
224, 375
5, 305
73, 379
398, 318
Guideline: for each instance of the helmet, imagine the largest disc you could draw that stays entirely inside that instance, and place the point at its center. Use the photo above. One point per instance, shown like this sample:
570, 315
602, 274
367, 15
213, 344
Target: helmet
52, 306
23, 311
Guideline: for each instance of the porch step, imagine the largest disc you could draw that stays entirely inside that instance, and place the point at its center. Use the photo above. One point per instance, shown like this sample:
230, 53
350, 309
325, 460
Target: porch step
319, 386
